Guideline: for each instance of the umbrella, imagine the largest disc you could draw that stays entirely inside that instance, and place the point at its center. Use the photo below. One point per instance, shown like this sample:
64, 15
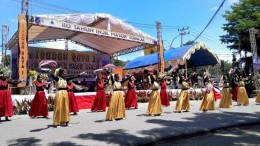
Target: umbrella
109, 66
98, 70
50, 63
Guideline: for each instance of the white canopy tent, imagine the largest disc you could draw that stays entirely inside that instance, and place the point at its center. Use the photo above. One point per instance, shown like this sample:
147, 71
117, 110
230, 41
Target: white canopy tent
101, 32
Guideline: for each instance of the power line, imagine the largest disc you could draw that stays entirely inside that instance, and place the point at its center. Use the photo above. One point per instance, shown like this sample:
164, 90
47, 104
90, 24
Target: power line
56, 6
195, 34
42, 7
203, 33
210, 20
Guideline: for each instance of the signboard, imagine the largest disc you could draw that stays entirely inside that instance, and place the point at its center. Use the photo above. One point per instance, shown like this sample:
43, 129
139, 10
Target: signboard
91, 30
22, 49
74, 62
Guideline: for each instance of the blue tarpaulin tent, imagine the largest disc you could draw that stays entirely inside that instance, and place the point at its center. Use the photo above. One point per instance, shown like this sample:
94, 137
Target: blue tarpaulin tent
199, 54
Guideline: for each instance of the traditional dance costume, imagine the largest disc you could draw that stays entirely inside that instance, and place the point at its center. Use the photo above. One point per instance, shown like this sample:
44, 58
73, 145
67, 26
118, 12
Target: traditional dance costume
258, 98
163, 94
131, 98
73, 104
208, 102
226, 101
242, 97
61, 113
6, 103
100, 100
154, 105
39, 104
234, 88
183, 102
116, 108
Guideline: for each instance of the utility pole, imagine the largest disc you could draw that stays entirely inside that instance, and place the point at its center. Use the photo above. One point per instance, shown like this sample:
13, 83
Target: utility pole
25, 7
5, 31
183, 32
160, 47
252, 34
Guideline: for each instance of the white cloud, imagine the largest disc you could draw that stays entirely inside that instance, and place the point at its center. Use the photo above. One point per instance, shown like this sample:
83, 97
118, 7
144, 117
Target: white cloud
214, 8
61, 45
14, 20
131, 56
231, 2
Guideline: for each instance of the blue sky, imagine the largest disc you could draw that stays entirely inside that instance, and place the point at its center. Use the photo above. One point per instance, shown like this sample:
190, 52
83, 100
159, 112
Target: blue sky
176, 13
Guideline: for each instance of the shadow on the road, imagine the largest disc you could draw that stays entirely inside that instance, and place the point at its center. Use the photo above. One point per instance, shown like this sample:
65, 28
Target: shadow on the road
29, 141
118, 136
40, 129
201, 123
100, 121
190, 126
142, 115
64, 143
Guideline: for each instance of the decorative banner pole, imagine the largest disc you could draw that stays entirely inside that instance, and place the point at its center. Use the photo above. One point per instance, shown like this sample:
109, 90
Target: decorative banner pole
160, 47
22, 49
23, 43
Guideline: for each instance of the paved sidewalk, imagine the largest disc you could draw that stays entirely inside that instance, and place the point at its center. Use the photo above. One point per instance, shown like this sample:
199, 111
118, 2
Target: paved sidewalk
137, 129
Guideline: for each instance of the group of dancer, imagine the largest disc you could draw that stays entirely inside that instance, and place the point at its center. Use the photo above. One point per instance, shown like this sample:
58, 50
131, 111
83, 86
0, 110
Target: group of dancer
65, 101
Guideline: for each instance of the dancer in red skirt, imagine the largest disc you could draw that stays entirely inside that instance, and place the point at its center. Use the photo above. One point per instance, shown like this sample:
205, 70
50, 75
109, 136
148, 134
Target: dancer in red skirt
39, 104
6, 104
235, 87
131, 98
163, 93
100, 100
73, 105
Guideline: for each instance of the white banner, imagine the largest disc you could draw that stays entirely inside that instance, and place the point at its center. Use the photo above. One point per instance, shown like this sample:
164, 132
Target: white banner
91, 30
256, 62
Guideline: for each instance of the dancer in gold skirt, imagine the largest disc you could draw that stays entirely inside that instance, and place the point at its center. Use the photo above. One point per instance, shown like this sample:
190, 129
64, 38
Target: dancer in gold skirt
258, 98
242, 97
208, 102
116, 108
183, 102
226, 100
154, 105
61, 101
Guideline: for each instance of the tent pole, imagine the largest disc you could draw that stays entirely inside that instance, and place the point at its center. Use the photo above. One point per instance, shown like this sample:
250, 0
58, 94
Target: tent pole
186, 69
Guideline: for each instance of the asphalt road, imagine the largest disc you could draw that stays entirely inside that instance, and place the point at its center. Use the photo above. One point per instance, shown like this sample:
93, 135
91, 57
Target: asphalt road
90, 128
238, 136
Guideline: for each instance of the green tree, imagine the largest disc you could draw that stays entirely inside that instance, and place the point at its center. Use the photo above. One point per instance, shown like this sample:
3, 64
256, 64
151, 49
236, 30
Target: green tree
118, 62
188, 43
6, 60
225, 67
242, 16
